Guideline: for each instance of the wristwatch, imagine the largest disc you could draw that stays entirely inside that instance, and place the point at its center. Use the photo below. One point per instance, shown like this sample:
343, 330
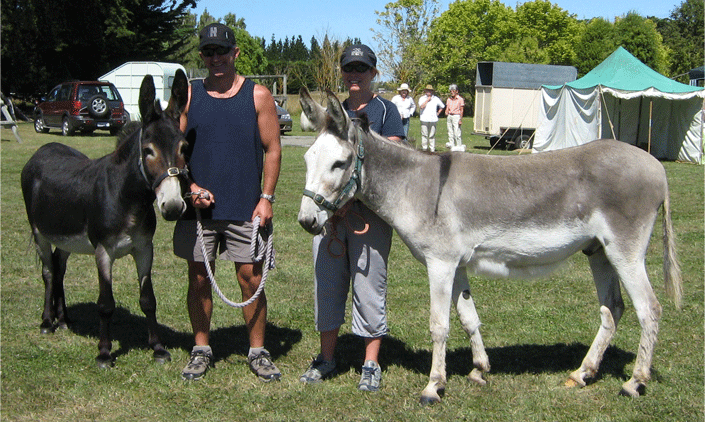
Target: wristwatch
269, 198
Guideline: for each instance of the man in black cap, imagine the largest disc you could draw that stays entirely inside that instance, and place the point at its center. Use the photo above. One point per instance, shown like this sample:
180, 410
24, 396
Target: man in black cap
235, 157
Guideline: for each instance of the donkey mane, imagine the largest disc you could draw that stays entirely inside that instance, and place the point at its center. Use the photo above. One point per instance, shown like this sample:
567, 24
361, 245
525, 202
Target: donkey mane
125, 141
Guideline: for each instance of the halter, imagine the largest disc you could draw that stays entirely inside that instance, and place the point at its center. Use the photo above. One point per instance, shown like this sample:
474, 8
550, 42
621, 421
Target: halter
355, 180
170, 172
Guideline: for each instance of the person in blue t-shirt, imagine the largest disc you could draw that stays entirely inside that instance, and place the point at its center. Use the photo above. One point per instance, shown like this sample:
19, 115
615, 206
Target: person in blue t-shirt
235, 158
364, 259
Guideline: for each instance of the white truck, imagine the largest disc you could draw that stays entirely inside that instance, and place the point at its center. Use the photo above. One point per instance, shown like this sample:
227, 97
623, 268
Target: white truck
128, 78
507, 100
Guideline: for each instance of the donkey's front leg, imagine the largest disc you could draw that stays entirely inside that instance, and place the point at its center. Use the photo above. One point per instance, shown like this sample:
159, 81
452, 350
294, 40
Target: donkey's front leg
148, 303
106, 305
440, 277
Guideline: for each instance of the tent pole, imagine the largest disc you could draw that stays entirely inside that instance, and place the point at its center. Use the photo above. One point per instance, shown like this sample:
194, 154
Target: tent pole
609, 120
651, 110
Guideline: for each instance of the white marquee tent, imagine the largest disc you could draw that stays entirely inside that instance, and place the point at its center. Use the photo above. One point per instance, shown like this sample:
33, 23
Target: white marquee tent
622, 98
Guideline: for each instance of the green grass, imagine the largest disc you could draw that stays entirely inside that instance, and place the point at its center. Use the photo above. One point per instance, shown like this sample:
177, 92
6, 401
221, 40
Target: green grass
535, 332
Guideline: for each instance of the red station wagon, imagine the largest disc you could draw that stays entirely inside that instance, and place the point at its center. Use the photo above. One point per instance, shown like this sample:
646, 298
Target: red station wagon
81, 105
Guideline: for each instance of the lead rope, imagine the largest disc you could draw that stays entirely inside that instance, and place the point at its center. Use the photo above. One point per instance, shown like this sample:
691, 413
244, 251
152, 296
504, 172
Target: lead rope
341, 215
259, 250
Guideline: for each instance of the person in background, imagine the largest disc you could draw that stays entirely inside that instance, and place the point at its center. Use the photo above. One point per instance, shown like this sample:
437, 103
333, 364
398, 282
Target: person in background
406, 106
363, 260
235, 157
430, 107
455, 105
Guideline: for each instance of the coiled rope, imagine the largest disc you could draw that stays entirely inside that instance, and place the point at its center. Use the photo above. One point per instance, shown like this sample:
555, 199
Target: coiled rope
261, 248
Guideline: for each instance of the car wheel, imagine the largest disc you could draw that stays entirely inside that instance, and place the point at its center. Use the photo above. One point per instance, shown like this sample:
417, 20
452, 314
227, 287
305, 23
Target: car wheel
39, 125
98, 106
66, 128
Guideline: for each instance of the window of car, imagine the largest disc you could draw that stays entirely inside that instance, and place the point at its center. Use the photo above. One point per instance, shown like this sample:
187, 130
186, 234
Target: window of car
110, 93
64, 93
86, 91
53, 95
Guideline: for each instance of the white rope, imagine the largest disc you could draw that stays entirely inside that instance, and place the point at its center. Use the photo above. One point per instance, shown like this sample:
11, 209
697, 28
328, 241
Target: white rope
259, 250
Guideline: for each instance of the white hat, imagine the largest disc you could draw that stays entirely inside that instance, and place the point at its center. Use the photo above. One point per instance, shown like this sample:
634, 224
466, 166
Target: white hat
403, 87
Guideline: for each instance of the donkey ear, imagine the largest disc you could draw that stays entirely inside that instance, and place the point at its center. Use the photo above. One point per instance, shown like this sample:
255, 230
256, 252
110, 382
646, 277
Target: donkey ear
147, 97
179, 95
339, 121
313, 111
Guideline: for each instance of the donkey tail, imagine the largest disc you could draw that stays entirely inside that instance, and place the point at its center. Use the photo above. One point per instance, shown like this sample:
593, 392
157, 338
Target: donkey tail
671, 267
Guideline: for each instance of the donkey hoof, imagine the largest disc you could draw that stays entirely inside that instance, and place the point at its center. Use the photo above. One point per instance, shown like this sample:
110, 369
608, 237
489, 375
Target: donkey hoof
632, 389
571, 383
427, 401
476, 376
429, 398
575, 379
162, 356
104, 362
46, 330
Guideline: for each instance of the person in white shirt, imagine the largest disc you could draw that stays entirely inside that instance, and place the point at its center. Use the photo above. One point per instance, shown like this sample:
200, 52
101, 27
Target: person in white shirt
406, 106
430, 107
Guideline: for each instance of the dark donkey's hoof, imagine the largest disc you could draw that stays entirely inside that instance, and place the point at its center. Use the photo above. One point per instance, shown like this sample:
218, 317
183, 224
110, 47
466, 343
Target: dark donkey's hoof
105, 362
162, 356
46, 328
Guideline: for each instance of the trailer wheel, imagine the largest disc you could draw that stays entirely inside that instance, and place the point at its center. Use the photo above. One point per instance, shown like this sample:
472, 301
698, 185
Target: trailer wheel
523, 141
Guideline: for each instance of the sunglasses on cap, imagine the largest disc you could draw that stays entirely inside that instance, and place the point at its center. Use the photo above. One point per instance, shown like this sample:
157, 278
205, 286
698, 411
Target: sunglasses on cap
357, 67
212, 51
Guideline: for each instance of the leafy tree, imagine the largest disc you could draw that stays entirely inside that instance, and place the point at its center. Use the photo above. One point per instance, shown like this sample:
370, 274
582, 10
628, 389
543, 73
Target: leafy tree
468, 32
597, 41
48, 41
315, 48
405, 25
553, 29
640, 37
683, 36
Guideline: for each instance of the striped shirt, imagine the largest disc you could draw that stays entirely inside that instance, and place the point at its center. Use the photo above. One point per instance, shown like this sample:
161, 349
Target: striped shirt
455, 105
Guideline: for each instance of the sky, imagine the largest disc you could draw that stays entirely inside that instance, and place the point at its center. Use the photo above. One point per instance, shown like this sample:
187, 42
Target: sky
356, 19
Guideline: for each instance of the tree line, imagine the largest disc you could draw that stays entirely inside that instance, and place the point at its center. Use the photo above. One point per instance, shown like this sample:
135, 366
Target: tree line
48, 41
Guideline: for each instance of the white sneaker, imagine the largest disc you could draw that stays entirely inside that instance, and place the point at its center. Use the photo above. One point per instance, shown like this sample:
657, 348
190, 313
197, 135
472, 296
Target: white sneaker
371, 376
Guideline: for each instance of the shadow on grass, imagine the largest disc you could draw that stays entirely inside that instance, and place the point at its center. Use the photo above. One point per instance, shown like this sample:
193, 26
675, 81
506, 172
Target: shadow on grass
130, 331
513, 360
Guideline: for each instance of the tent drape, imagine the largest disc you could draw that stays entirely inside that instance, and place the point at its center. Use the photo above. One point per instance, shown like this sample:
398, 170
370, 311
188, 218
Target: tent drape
625, 99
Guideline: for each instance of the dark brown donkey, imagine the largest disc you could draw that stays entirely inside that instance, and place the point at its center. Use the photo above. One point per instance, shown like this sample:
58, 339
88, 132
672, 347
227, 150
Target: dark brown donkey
104, 207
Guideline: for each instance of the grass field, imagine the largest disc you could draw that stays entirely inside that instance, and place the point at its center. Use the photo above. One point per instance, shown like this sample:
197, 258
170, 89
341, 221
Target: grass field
536, 332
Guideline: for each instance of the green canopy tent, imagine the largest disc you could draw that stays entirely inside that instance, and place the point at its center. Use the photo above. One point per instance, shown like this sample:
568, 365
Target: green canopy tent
622, 98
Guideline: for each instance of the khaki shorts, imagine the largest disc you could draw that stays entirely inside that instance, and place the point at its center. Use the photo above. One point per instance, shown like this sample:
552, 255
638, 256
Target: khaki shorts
231, 240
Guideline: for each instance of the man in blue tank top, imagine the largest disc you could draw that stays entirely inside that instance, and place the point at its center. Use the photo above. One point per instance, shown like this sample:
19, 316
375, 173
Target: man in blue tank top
235, 156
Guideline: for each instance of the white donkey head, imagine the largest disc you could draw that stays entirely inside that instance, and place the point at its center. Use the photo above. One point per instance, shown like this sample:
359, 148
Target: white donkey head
333, 162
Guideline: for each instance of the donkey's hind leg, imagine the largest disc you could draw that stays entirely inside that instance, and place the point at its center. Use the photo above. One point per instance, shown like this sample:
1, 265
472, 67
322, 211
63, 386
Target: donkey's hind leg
611, 309
648, 311
53, 270
471, 324
148, 303
60, 257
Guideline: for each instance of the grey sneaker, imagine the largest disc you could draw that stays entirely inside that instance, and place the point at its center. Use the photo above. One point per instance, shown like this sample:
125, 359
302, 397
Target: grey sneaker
262, 366
371, 376
319, 370
198, 365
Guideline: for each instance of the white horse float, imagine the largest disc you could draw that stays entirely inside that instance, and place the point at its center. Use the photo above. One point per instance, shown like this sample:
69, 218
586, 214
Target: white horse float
502, 217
